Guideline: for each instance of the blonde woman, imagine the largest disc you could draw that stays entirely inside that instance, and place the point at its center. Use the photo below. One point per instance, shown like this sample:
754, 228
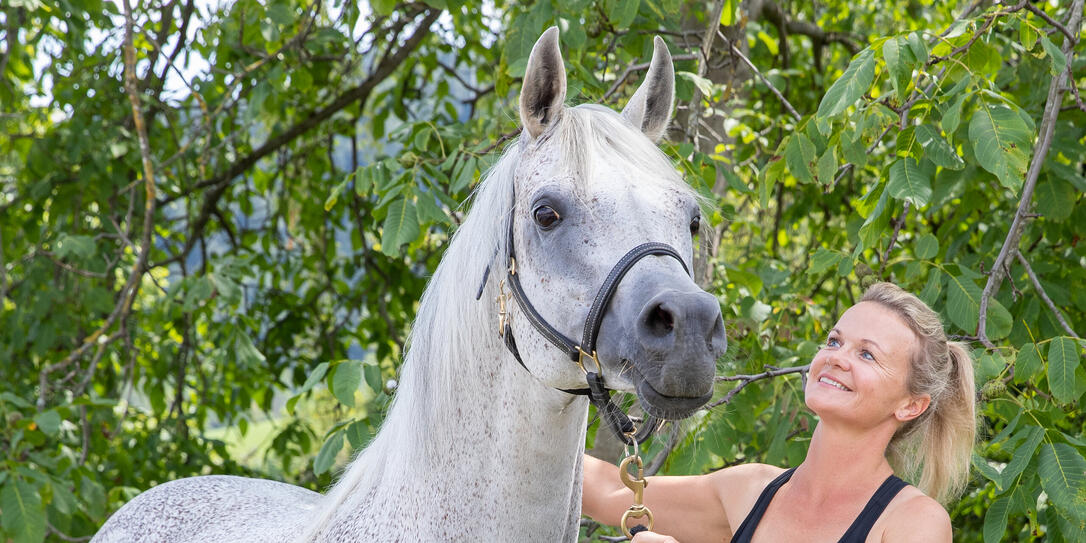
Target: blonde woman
892, 395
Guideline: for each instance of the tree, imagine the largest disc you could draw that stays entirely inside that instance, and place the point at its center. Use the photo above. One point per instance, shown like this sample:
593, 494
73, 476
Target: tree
214, 218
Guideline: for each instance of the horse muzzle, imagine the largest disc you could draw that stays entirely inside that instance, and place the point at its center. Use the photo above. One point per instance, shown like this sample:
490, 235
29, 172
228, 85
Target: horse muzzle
669, 353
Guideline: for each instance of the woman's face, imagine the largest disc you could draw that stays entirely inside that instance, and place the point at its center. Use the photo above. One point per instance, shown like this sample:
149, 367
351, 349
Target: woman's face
860, 373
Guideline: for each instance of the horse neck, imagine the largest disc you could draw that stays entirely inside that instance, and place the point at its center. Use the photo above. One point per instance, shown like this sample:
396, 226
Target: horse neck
471, 428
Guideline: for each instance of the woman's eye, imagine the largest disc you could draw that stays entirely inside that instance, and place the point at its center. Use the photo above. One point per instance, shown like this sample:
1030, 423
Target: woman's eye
546, 216
832, 342
695, 225
867, 355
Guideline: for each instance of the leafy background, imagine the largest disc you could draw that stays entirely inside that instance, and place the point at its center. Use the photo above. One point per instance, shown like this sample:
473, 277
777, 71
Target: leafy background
211, 247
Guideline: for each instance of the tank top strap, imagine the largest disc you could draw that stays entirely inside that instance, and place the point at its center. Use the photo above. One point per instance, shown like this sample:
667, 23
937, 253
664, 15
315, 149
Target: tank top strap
857, 532
750, 524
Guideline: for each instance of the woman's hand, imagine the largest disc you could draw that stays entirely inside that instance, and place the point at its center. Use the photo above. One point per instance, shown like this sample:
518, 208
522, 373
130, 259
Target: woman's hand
652, 537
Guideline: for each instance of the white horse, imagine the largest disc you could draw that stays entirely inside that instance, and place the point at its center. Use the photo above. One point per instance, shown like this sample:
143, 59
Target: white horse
474, 447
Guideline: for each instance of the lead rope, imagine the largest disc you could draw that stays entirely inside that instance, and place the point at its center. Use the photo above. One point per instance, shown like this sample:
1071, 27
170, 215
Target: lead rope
637, 484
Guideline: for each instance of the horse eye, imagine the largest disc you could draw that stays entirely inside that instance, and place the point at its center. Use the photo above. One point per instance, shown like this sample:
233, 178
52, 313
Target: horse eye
546, 216
695, 225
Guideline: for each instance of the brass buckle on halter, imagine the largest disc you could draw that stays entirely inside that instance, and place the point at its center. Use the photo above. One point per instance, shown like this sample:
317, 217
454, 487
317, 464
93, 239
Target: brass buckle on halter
580, 361
637, 485
503, 313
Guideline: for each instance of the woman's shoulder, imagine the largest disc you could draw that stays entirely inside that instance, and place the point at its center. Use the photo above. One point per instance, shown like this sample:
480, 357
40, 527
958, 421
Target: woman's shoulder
739, 487
748, 477
914, 516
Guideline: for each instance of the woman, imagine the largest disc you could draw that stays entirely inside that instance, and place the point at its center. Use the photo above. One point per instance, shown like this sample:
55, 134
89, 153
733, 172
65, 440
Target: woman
891, 393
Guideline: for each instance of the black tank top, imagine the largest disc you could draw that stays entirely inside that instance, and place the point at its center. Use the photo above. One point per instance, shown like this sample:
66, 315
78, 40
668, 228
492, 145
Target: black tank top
857, 533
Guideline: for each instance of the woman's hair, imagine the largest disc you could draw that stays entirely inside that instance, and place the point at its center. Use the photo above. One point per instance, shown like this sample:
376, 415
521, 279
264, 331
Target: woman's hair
936, 447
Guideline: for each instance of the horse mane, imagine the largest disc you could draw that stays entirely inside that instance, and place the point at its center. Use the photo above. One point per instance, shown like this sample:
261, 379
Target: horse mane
452, 328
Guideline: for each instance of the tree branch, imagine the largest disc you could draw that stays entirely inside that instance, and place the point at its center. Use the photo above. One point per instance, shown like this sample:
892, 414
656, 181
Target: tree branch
631, 68
1040, 13
897, 229
745, 380
776, 15
359, 94
1044, 295
1046, 131
735, 51
131, 286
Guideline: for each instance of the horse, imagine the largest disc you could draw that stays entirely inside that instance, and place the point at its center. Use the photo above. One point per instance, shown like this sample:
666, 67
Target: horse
476, 447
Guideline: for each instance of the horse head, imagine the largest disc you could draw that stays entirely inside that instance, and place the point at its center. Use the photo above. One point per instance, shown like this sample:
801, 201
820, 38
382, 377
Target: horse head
590, 186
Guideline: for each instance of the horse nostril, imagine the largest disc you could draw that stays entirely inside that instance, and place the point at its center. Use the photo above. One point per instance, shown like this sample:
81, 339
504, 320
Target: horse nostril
660, 321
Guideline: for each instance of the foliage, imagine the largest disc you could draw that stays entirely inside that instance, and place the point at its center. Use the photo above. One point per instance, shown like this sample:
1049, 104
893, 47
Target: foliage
309, 162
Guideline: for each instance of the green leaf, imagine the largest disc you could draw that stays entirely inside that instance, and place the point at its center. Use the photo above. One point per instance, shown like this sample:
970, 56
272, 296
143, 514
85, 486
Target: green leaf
333, 197
705, 86
247, 355
952, 115
464, 175
1063, 477
373, 377
900, 62
327, 455
995, 520
984, 468
963, 308
344, 380
1055, 198
1001, 141
1006, 431
1057, 60
358, 434
850, 86
936, 149
853, 149
876, 222
1063, 358
225, 287
363, 179
48, 422
623, 12
919, 48
827, 166
933, 287
927, 246
24, 514
768, 181
1027, 34
78, 246
401, 226
383, 7
315, 377
428, 210
730, 14
1022, 455
800, 155
1027, 363
907, 146
824, 259
909, 182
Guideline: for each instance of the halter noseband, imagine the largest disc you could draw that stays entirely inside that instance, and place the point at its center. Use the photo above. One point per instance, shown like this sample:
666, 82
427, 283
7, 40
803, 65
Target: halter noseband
597, 393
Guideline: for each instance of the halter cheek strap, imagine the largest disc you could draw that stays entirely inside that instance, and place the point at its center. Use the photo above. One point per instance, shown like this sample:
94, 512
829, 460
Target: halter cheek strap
597, 393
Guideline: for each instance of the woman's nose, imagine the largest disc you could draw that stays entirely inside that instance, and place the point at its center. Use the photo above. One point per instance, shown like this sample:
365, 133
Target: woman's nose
837, 358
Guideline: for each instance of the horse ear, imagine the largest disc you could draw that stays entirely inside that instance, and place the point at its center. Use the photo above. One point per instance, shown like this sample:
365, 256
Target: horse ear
544, 89
650, 107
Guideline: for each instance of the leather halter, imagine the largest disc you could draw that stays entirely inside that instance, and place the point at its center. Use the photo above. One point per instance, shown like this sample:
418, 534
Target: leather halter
597, 393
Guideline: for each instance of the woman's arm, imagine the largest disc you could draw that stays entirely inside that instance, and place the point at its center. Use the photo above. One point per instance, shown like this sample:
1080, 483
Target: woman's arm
686, 508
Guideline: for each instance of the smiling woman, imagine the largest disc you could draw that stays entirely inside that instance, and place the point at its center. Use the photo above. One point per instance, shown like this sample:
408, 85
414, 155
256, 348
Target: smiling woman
893, 396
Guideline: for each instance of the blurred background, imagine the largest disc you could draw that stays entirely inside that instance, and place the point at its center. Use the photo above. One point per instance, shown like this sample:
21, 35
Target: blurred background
216, 219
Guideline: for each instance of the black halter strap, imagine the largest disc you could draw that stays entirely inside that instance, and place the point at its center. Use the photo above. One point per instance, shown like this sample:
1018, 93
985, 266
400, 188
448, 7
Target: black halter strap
597, 393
